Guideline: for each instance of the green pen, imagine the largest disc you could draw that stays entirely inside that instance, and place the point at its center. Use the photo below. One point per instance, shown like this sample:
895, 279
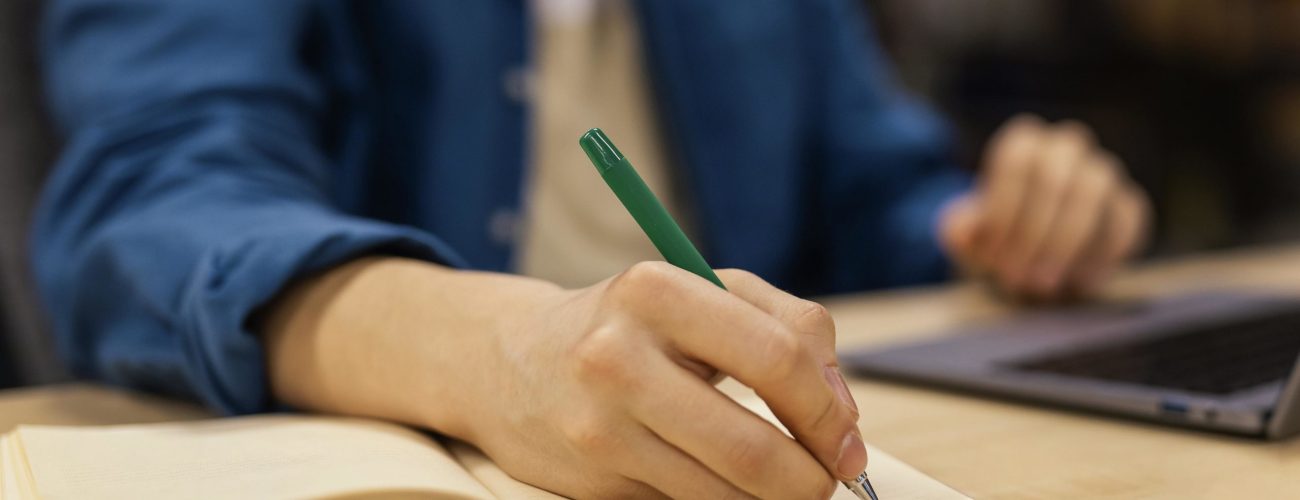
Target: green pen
663, 231
651, 215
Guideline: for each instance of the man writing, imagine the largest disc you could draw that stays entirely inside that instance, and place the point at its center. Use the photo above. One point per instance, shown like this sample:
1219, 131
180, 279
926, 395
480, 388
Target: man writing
372, 208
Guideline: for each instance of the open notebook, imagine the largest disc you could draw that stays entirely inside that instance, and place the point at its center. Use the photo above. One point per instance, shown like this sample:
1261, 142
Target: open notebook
284, 456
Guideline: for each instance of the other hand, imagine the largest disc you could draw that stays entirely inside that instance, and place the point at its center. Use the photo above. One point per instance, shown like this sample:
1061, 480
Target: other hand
1053, 214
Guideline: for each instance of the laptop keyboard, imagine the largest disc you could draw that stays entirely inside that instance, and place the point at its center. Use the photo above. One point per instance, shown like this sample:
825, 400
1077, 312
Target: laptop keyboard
1218, 358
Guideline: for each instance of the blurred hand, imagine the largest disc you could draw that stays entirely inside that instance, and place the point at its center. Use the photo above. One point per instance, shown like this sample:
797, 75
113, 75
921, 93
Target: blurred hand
601, 392
1053, 213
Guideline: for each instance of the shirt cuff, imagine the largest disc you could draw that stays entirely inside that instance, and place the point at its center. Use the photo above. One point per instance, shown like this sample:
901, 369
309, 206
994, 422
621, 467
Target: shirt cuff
226, 362
918, 222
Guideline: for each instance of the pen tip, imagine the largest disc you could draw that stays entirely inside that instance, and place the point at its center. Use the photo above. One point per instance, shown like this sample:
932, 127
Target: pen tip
861, 487
866, 485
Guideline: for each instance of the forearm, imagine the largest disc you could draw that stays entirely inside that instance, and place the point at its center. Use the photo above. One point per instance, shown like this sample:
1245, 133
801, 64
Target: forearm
585, 392
394, 338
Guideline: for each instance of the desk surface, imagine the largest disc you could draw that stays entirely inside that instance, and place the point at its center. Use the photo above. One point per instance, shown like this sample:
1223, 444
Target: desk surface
985, 448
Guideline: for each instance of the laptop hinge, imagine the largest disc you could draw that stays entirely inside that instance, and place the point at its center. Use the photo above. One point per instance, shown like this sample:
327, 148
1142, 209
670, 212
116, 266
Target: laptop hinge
1286, 415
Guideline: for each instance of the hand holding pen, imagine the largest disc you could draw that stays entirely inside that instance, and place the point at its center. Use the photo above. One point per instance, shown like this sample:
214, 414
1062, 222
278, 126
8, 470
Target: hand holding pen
806, 417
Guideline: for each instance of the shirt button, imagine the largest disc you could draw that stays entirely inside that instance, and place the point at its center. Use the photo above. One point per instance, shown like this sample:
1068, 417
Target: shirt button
517, 83
503, 226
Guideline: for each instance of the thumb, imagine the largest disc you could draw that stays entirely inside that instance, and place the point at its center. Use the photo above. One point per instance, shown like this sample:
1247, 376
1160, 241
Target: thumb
959, 223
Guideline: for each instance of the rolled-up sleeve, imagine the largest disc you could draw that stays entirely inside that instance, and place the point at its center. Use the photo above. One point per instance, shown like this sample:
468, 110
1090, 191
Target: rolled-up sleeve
192, 188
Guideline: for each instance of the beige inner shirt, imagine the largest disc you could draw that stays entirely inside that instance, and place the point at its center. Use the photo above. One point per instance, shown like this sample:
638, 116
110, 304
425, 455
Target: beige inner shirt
590, 72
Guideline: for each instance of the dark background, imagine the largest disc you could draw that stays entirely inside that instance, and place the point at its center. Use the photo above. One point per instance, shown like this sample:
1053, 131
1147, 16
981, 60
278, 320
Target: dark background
26, 150
1201, 98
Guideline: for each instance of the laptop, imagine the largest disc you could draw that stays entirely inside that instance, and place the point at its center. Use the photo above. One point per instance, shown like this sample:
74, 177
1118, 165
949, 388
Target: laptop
1222, 361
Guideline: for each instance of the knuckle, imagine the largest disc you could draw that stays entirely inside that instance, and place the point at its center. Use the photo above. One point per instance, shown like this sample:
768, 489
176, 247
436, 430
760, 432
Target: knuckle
649, 273
642, 279
1025, 120
824, 417
1010, 165
781, 354
1053, 182
1102, 180
814, 318
1074, 131
749, 457
600, 355
1055, 175
592, 436
1018, 133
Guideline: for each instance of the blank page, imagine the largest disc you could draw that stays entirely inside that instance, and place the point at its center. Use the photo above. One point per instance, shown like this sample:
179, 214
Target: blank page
275, 456
892, 479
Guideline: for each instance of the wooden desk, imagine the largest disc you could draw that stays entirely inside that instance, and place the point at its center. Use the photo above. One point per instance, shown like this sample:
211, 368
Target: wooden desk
985, 448
87, 404
992, 449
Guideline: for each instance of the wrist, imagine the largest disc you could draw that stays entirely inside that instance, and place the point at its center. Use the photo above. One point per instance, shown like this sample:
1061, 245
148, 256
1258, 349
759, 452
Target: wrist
398, 339
446, 335
325, 336
508, 313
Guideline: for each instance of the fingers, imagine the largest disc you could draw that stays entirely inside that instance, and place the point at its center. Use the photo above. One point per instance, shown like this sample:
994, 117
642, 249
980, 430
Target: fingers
959, 230
731, 441
1130, 217
614, 363
1076, 229
719, 328
708, 323
1053, 213
1124, 229
1064, 149
1005, 184
654, 469
672, 472
805, 317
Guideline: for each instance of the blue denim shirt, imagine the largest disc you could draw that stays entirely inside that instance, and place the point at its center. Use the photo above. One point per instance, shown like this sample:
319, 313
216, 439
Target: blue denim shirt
217, 150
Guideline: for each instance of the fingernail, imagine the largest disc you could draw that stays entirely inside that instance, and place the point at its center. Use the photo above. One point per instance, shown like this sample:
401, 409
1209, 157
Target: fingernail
853, 456
836, 379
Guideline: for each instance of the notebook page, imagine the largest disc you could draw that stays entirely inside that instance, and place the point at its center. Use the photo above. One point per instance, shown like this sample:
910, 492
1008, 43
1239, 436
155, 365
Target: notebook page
14, 476
277, 456
892, 479
8, 471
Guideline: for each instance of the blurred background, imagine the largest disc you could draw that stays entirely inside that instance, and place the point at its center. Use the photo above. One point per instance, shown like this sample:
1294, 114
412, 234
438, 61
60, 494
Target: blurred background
26, 149
1200, 97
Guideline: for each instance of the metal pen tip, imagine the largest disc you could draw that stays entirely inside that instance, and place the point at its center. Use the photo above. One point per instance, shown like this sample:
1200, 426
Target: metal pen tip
861, 486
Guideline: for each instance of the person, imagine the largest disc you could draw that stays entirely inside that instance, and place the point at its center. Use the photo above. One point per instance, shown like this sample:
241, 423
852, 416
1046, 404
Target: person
372, 208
